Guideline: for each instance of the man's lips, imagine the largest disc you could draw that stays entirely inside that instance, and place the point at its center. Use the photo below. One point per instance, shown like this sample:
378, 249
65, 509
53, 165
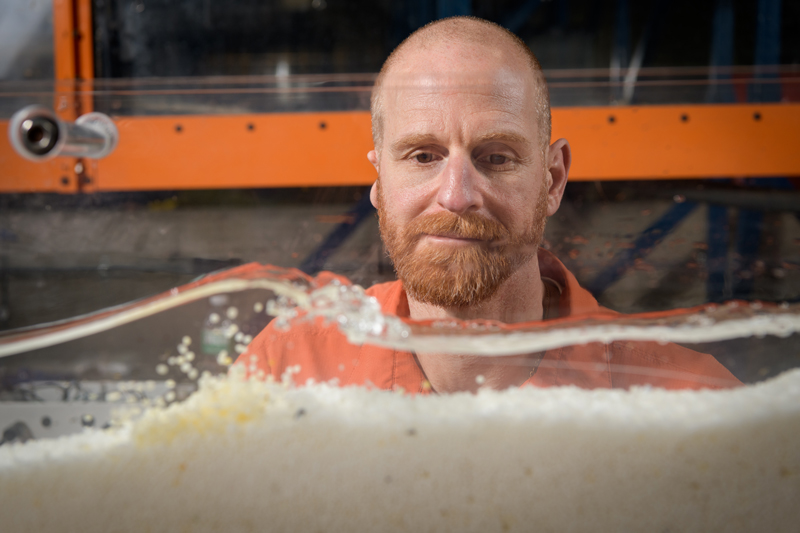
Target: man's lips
449, 238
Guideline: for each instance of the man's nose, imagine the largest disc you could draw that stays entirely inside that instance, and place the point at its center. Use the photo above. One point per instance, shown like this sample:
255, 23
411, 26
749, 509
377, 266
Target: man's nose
458, 185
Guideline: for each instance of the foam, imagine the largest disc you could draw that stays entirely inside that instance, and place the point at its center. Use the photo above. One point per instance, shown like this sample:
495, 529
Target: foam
255, 456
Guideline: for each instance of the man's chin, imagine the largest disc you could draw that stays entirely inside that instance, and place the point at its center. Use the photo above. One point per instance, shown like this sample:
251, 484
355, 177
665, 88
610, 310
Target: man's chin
450, 285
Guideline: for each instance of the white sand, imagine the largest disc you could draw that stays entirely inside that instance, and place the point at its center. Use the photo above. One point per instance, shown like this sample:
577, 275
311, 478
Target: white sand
259, 457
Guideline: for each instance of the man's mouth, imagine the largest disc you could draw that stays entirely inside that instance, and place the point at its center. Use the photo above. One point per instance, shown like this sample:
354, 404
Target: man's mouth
451, 238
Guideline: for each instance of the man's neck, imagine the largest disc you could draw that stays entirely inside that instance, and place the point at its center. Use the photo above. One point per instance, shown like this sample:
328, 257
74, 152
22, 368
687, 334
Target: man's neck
519, 299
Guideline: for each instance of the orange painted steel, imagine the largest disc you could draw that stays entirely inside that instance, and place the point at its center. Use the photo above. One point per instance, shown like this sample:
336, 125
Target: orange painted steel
64, 40
681, 141
208, 152
85, 55
20, 175
324, 149
293, 150
74, 69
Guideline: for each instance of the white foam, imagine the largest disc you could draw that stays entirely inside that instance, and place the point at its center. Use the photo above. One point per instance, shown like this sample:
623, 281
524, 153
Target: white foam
253, 456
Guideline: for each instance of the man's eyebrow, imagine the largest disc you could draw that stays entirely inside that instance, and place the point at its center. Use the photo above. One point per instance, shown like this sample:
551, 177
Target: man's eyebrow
412, 140
501, 136
420, 139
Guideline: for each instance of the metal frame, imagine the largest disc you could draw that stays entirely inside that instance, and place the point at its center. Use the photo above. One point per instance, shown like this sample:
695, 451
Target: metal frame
328, 149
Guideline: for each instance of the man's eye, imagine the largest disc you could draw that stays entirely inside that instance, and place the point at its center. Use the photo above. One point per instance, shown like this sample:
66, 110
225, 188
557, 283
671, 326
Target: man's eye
424, 158
497, 159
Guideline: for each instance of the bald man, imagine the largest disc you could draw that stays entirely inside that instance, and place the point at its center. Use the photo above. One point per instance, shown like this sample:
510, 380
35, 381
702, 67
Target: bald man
467, 177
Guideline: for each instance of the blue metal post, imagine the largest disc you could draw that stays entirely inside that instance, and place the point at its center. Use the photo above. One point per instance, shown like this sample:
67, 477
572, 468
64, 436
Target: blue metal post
768, 53
765, 88
453, 8
316, 260
720, 89
649, 238
516, 19
717, 257
748, 243
621, 51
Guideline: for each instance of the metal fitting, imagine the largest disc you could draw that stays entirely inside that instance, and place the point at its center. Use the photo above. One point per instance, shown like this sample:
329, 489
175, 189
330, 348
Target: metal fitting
37, 134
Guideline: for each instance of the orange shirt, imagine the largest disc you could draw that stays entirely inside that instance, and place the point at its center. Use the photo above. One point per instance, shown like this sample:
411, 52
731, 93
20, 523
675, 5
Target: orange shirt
323, 353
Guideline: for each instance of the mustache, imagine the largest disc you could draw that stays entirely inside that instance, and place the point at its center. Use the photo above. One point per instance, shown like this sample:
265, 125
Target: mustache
466, 226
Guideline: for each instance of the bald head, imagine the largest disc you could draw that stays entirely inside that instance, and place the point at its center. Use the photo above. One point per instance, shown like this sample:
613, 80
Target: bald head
484, 40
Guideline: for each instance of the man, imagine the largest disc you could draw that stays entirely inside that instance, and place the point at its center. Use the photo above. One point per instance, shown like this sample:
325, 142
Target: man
466, 179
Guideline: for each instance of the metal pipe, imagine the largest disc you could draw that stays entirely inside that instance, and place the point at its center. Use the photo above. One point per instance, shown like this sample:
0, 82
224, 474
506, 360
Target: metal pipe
38, 134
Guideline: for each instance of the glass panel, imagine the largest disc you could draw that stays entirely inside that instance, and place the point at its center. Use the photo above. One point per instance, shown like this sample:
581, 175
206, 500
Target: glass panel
125, 299
26, 40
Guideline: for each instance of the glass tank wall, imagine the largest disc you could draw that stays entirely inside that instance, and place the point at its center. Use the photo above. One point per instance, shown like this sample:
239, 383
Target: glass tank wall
126, 288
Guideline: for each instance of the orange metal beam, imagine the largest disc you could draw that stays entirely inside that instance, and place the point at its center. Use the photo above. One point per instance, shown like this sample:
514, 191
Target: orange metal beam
21, 175
66, 58
270, 150
681, 141
74, 70
319, 149
84, 52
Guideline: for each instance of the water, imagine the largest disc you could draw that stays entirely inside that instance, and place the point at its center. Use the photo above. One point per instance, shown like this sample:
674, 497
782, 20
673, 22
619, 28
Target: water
240, 452
359, 317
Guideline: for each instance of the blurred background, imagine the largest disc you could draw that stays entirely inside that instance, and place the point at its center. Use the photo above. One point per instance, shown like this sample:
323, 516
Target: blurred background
244, 129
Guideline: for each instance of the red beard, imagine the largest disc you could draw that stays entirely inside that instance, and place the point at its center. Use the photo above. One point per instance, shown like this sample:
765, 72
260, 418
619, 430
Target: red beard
465, 275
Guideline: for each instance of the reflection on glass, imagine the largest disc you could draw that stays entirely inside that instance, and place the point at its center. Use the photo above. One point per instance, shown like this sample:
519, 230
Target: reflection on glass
26, 40
563, 413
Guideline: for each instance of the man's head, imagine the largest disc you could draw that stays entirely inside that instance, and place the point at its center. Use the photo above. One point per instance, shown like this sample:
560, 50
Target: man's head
463, 30
461, 124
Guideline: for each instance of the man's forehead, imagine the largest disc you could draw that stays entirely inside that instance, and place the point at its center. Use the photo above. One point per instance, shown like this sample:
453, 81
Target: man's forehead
459, 67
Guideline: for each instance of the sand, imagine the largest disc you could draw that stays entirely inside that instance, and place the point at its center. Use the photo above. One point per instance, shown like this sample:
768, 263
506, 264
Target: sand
255, 456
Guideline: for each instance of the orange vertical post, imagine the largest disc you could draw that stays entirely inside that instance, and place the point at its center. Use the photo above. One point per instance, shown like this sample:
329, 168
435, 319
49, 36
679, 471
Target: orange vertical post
74, 71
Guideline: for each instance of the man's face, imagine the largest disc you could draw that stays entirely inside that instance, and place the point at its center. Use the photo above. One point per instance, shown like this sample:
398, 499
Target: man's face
462, 193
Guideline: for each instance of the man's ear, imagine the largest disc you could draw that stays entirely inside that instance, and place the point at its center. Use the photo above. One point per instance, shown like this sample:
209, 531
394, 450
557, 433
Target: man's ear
372, 155
373, 191
373, 194
559, 160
